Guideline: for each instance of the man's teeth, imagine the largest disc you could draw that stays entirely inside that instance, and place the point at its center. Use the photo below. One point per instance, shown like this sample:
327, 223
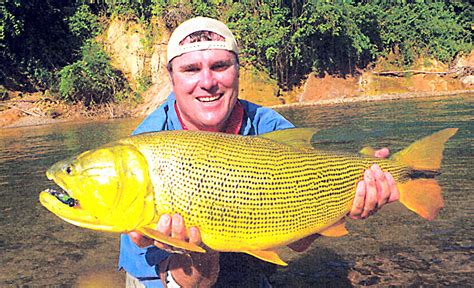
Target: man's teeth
209, 99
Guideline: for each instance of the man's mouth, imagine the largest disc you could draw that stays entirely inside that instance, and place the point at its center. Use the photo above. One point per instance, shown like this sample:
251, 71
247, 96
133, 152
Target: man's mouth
209, 98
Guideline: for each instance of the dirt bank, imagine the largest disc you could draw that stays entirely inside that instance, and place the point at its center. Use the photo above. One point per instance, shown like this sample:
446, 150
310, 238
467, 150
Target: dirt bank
12, 118
381, 83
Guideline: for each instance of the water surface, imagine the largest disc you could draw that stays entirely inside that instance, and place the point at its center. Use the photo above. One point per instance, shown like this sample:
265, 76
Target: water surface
394, 247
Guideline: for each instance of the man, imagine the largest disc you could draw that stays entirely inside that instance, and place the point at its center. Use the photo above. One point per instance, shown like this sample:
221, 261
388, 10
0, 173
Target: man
204, 70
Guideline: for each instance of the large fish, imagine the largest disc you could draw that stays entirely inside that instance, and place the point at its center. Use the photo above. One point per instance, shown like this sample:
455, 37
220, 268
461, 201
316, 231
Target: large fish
248, 194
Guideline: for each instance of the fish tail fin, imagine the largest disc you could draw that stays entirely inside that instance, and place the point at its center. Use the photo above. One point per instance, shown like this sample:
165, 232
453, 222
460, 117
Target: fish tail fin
425, 154
423, 196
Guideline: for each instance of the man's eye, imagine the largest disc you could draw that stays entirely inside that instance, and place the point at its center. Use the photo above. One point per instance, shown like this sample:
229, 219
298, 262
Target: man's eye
220, 67
191, 70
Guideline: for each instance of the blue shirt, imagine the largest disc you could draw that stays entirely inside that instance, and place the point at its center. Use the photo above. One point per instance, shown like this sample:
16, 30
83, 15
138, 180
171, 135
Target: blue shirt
142, 263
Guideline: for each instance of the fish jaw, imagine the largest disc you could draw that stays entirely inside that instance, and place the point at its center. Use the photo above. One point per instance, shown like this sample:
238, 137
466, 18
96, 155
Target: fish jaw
74, 215
110, 187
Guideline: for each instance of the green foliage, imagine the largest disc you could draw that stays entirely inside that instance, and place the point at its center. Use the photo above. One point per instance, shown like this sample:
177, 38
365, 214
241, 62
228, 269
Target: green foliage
424, 29
288, 39
84, 24
140, 9
9, 23
91, 80
144, 82
291, 38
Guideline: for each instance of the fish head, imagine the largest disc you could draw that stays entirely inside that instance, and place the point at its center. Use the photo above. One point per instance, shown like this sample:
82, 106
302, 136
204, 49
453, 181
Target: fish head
110, 187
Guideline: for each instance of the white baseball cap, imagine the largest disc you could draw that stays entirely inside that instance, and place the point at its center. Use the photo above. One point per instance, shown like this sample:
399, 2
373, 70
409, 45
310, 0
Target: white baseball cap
196, 24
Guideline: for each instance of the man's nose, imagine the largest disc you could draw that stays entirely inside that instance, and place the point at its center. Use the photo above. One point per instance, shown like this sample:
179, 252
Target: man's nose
207, 81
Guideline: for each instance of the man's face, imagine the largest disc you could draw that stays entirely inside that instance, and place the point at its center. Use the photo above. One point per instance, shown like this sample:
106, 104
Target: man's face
206, 85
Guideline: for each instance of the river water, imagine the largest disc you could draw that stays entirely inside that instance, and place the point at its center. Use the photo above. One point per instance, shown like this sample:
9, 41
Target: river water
394, 247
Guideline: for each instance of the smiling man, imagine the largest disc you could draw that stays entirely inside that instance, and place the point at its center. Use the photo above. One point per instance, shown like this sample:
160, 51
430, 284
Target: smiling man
204, 70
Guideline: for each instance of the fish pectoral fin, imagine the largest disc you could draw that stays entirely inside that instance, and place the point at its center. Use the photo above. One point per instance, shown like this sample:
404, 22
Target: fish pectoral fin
160, 237
337, 229
267, 255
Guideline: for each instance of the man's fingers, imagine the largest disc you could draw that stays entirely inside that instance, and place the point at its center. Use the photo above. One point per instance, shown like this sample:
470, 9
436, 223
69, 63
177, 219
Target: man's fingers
358, 204
382, 153
164, 226
194, 236
370, 194
394, 193
140, 240
178, 230
381, 183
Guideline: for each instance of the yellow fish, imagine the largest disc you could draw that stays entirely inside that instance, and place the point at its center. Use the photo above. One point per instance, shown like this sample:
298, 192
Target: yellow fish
248, 194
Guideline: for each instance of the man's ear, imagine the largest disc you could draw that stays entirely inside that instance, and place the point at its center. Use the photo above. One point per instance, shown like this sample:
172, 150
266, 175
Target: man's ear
170, 75
169, 67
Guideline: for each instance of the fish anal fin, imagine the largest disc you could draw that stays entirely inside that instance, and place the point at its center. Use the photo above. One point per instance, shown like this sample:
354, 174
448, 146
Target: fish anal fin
158, 236
423, 196
296, 137
337, 229
267, 255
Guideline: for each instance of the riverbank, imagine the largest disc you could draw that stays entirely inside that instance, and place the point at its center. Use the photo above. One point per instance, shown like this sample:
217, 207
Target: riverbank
18, 117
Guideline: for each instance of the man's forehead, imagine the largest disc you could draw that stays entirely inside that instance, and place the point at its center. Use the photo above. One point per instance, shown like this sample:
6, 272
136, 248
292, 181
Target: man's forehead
209, 56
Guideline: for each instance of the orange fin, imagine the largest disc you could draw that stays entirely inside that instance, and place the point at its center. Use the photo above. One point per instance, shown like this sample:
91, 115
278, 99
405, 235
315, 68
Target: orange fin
158, 236
426, 153
267, 255
337, 229
367, 151
295, 137
422, 196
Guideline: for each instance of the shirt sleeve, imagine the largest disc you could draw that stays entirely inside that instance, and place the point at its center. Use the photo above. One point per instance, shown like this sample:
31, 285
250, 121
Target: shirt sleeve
260, 120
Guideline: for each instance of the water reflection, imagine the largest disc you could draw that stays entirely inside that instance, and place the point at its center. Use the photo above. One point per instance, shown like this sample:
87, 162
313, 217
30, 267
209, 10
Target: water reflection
394, 247
37, 248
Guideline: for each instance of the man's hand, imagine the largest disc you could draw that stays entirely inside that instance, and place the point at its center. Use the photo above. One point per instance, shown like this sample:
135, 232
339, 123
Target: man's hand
171, 226
377, 189
189, 269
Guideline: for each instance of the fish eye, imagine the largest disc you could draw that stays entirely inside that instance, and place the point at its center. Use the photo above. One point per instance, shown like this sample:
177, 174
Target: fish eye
68, 170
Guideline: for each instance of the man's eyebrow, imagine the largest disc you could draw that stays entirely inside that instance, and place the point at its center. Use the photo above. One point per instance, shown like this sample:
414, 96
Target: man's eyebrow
223, 62
189, 66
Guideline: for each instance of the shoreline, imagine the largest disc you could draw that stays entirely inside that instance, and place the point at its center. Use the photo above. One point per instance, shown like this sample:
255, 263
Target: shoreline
381, 97
29, 121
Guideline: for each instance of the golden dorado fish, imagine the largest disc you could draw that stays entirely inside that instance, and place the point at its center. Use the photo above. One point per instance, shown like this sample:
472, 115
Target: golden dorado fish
248, 194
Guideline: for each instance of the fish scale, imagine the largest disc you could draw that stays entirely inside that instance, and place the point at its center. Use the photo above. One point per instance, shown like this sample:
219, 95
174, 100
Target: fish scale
245, 194
248, 189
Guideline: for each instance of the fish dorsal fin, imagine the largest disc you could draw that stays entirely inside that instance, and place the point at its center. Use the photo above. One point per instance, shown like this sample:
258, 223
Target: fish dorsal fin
267, 255
337, 229
426, 153
158, 236
296, 137
367, 151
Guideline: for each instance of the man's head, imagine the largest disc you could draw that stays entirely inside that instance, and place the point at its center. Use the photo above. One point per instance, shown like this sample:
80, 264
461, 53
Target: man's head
204, 70
200, 33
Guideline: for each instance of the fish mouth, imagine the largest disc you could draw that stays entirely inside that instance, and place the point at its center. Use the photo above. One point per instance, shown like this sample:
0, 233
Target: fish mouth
63, 194
65, 204
63, 197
